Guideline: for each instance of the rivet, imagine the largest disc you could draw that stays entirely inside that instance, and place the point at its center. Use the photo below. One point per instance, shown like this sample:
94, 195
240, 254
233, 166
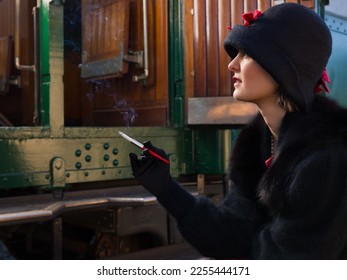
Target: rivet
115, 162
88, 146
115, 151
78, 153
58, 164
106, 146
78, 165
88, 158
106, 157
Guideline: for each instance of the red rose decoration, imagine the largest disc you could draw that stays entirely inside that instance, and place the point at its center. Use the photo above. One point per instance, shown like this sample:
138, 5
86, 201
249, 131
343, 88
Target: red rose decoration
322, 83
250, 17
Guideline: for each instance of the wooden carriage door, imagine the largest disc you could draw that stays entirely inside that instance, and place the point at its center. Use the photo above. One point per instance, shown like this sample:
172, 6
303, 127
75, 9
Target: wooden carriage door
208, 82
120, 97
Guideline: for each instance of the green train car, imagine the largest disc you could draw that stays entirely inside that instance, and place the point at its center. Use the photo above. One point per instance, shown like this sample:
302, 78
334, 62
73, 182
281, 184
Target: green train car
72, 74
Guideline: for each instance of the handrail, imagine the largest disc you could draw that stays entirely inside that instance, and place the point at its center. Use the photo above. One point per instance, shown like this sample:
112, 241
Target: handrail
32, 68
145, 75
17, 42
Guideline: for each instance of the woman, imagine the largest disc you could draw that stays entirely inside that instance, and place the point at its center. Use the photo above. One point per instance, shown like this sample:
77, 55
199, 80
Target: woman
289, 195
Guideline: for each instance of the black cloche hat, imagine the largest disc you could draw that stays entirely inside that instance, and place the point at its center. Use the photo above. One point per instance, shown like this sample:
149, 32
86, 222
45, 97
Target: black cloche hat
291, 42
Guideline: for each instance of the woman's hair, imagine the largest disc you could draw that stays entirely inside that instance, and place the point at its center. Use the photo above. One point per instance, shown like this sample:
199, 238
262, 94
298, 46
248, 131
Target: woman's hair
285, 103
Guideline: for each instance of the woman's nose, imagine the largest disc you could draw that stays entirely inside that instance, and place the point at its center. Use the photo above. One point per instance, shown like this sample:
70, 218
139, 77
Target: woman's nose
233, 65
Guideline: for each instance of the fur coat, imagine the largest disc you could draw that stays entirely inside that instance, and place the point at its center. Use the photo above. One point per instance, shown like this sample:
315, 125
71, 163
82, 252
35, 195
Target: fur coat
294, 209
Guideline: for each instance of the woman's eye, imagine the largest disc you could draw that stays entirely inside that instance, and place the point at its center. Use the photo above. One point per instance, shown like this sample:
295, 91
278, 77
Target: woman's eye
243, 55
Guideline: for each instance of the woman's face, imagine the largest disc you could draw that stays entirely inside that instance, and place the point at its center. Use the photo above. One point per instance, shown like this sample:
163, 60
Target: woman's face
251, 82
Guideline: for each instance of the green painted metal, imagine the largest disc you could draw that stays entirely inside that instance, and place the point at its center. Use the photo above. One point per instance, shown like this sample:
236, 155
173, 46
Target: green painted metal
209, 151
87, 154
188, 152
176, 63
44, 78
320, 7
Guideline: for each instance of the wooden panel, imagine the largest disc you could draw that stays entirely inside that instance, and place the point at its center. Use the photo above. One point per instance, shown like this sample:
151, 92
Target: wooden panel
7, 29
188, 49
106, 31
237, 9
263, 5
6, 59
158, 55
224, 79
142, 116
200, 59
250, 5
308, 3
210, 21
212, 36
105, 34
18, 104
7, 17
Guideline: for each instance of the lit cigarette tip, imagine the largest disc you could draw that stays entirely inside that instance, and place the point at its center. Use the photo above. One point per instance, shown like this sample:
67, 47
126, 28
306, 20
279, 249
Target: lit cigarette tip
142, 147
131, 140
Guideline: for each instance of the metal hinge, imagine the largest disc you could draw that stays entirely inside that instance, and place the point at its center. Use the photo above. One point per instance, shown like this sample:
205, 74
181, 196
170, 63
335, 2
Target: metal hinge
58, 176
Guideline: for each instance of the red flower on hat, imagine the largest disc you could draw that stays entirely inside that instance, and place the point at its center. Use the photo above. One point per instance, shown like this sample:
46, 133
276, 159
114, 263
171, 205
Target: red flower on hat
322, 82
251, 16
248, 18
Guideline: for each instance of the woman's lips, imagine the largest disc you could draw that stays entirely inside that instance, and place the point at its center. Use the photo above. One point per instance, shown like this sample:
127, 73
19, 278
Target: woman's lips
236, 81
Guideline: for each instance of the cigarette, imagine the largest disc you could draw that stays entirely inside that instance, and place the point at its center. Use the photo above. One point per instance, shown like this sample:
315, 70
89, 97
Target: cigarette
142, 147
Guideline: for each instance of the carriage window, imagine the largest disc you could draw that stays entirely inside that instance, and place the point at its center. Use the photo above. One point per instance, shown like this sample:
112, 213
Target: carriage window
105, 34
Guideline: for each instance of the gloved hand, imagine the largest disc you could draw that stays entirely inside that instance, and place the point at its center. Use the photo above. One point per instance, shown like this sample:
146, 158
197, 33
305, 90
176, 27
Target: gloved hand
151, 172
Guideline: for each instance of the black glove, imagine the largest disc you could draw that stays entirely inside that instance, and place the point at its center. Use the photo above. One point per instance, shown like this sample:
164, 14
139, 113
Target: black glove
151, 172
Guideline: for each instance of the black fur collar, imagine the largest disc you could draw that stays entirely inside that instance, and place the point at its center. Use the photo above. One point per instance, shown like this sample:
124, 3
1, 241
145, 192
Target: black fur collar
300, 134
